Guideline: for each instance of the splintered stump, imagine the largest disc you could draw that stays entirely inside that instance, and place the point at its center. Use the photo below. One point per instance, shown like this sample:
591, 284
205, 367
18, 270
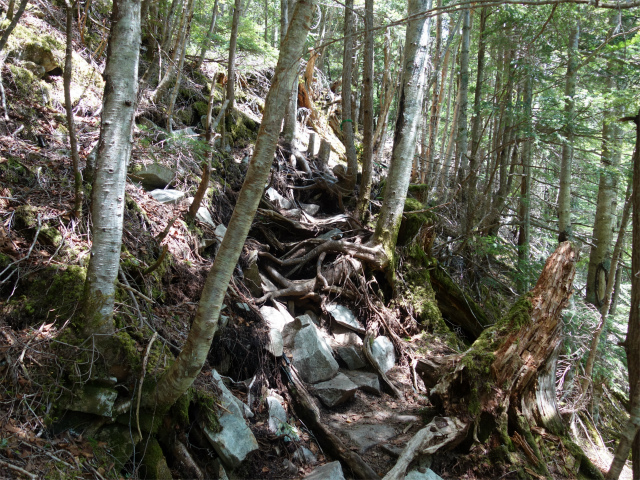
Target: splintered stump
507, 377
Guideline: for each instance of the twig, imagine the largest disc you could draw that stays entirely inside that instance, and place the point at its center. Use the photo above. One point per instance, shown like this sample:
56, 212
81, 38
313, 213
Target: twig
141, 295
18, 469
160, 259
144, 369
166, 230
133, 297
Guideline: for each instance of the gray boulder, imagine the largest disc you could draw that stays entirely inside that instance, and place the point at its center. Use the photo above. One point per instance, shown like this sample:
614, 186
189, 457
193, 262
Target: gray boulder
167, 196
428, 474
310, 208
95, 400
345, 317
383, 353
304, 456
335, 391
276, 318
278, 200
352, 356
366, 381
328, 471
204, 216
312, 357
155, 176
234, 441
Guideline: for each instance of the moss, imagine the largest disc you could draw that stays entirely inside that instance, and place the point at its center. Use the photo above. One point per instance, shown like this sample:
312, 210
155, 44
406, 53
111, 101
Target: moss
243, 130
120, 441
153, 464
519, 314
412, 222
26, 217
586, 468
201, 108
419, 191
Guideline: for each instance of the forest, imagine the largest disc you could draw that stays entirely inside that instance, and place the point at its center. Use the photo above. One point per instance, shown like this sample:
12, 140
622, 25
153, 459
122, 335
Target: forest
268, 239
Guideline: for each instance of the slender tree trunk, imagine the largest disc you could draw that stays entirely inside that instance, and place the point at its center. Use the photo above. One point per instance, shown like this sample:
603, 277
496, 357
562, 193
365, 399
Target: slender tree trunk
367, 108
608, 290
181, 374
525, 189
564, 196
435, 104
409, 116
630, 439
474, 161
462, 160
291, 109
12, 25
73, 141
387, 93
233, 42
212, 28
114, 150
347, 121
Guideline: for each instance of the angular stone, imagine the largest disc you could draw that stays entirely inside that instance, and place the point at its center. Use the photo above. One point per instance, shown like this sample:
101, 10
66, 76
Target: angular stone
428, 474
383, 353
278, 200
251, 275
276, 317
304, 456
277, 415
366, 381
121, 440
335, 391
155, 176
234, 442
366, 436
204, 216
343, 336
167, 196
95, 400
352, 356
220, 232
345, 317
291, 329
228, 400
327, 471
312, 357
310, 208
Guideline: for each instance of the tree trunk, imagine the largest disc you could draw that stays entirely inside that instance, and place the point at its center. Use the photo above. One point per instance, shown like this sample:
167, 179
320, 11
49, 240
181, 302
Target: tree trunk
181, 374
233, 41
462, 160
207, 40
409, 115
508, 373
73, 140
114, 150
12, 25
291, 108
525, 190
632, 342
347, 121
367, 108
564, 196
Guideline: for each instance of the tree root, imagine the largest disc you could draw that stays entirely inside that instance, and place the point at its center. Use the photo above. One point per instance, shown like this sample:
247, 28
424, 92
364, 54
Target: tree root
441, 432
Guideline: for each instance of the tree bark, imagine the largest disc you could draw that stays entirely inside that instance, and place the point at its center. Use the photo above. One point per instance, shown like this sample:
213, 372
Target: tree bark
207, 40
525, 190
630, 439
347, 121
462, 160
233, 41
564, 195
181, 374
114, 150
291, 108
409, 115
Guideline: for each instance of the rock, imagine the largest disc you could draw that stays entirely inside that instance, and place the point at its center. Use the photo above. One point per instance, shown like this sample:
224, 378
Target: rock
153, 464
167, 196
234, 442
427, 475
37, 70
367, 436
304, 456
278, 200
335, 391
345, 317
251, 275
220, 232
288, 467
310, 208
121, 441
383, 353
328, 471
276, 317
291, 329
344, 336
155, 176
277, 415
276, 343
312, 357
40, 54
352, 356
95, 400
366, 381
204, 216
312, 315
185, 132
228, 400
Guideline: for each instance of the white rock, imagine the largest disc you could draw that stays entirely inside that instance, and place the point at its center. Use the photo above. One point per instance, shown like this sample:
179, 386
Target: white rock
345, 317
335, 391
234, 442
278, 200
352, 356
167, 196
310, 208
383, 353
155, 176
427, 475
312, 357
204, 216
366, 381
329, 471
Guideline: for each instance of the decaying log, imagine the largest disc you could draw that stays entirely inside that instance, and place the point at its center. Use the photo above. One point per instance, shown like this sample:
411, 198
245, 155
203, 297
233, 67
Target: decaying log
308, 412
441, 432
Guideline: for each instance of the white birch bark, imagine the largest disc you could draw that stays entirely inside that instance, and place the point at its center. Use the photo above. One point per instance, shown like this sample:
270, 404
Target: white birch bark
114, 150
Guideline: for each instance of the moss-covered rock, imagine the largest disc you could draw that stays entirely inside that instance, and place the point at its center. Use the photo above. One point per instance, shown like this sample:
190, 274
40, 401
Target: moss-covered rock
121, 441
242, 128
414, 223
584, 468
153, 465
26, 218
